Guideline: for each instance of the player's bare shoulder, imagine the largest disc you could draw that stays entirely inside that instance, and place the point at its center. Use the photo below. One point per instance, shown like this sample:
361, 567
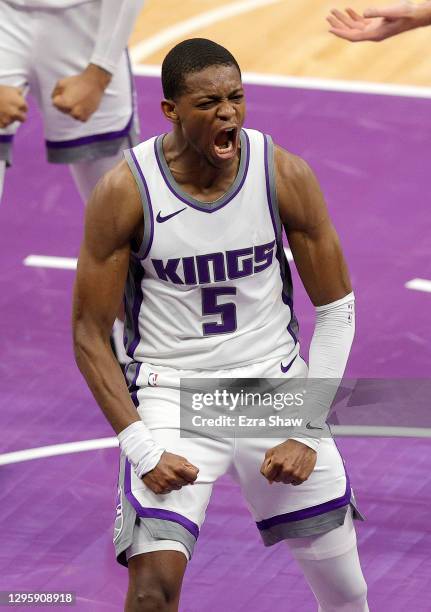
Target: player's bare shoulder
114, 212
300, 199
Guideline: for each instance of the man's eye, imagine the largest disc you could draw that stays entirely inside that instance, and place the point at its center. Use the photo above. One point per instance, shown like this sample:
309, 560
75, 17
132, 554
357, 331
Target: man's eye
205, 104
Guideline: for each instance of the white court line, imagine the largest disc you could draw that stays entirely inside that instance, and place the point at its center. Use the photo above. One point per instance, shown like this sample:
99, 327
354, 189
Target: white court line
46, 261
57, 449
183, 28
296, 82
419, 284
54, 450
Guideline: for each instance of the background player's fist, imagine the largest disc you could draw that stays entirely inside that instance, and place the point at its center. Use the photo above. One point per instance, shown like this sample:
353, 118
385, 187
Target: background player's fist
290, 462
79, 96
171, 474
13, 106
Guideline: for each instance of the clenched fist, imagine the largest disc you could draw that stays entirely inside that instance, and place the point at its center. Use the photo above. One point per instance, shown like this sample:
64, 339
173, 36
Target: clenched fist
79, 96
13, 106
171, 474
290, 462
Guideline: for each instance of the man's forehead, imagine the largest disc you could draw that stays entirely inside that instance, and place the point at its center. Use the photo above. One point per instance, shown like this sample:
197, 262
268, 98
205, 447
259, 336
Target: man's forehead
213, 79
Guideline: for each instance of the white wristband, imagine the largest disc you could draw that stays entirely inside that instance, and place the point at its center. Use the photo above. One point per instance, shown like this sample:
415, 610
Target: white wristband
138, 445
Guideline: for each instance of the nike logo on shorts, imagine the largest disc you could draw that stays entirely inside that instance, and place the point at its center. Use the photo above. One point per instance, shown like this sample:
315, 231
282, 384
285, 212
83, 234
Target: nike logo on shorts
308, 426
284, 369
161, 219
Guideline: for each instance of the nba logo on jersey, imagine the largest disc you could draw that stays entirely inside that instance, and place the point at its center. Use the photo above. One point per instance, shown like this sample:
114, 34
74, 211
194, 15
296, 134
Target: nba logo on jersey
152, 379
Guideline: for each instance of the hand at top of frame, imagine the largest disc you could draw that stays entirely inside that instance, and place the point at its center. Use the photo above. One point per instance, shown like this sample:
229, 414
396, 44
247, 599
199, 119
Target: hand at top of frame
379, 24
80, 95
171, 474
13, 106
290, 462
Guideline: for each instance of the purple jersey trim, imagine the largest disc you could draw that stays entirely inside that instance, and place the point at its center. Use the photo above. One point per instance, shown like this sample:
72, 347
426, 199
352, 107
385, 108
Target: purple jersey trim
299, 515
139, 298
194, 204
150, 207
6, 137
157, 513
85, 140
268, 188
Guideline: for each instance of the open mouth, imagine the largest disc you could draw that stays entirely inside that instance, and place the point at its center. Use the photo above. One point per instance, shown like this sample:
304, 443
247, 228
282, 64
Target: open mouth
225, 142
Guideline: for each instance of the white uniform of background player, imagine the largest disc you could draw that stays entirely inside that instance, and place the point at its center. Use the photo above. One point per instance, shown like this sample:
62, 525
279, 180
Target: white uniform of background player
209, 295
54, 50
43, 42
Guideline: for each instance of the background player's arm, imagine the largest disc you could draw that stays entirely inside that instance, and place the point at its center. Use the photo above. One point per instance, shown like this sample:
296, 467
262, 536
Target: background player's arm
377, 24
80, 95
113, 220
323, 271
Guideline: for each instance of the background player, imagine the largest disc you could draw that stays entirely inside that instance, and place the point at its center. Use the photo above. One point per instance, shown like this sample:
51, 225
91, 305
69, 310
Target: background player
177, 327
71, 55
377, 24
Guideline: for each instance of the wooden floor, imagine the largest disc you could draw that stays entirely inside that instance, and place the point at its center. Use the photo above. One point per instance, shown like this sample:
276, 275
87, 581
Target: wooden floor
287, 37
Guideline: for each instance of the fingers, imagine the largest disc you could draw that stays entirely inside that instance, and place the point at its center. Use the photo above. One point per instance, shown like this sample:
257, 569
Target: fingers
188, 472
343, 18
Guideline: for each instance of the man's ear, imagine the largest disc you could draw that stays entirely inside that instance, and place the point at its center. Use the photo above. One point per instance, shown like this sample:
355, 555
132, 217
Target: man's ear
169, 110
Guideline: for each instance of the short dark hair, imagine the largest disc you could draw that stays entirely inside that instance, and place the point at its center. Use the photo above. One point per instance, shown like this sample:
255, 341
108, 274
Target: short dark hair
189, 56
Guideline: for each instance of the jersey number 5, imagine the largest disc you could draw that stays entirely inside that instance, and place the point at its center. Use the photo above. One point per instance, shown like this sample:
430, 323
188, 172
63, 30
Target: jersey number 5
226, 310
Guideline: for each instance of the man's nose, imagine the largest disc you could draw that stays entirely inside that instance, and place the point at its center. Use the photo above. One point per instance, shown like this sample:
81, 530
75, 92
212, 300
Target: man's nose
225, 110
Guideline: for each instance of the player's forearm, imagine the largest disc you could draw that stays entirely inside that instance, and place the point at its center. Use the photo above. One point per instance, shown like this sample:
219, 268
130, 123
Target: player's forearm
117, 18
106, 381
422, 14
329, 352
100, 369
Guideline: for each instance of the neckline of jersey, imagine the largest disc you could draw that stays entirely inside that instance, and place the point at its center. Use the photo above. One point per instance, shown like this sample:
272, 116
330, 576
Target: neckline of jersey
185, 197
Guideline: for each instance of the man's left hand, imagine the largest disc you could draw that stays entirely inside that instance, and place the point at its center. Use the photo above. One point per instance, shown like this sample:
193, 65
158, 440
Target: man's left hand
290, 462
79, 96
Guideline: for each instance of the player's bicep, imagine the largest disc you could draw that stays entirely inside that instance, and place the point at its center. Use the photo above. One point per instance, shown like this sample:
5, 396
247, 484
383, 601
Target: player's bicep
320, 263
99, 286
312, 238
112, 217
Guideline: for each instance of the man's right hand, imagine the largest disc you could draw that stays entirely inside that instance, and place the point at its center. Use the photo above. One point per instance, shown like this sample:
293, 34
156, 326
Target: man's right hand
377, 24
13, 106
171, 474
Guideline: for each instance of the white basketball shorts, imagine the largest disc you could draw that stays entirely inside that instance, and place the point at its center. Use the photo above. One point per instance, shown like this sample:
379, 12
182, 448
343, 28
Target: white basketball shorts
280, 511
40, 46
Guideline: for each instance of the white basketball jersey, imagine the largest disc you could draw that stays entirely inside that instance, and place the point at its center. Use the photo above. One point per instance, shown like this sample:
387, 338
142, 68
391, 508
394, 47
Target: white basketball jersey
210, 287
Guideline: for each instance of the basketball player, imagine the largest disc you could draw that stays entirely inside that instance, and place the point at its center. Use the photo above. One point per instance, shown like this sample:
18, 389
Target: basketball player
71, 55
377, 24
191, 225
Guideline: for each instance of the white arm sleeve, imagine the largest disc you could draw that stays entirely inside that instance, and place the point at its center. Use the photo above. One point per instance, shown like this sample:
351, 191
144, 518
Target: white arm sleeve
329, 349
117, 18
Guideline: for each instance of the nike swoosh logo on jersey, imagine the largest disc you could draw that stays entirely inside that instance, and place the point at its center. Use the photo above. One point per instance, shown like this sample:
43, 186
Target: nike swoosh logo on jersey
284, 369
161, 219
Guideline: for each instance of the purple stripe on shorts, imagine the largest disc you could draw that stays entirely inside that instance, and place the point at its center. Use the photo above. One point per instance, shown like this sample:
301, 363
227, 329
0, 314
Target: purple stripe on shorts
150, 207
6, 137
157, 513
305, 513
85, 140
202, 207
